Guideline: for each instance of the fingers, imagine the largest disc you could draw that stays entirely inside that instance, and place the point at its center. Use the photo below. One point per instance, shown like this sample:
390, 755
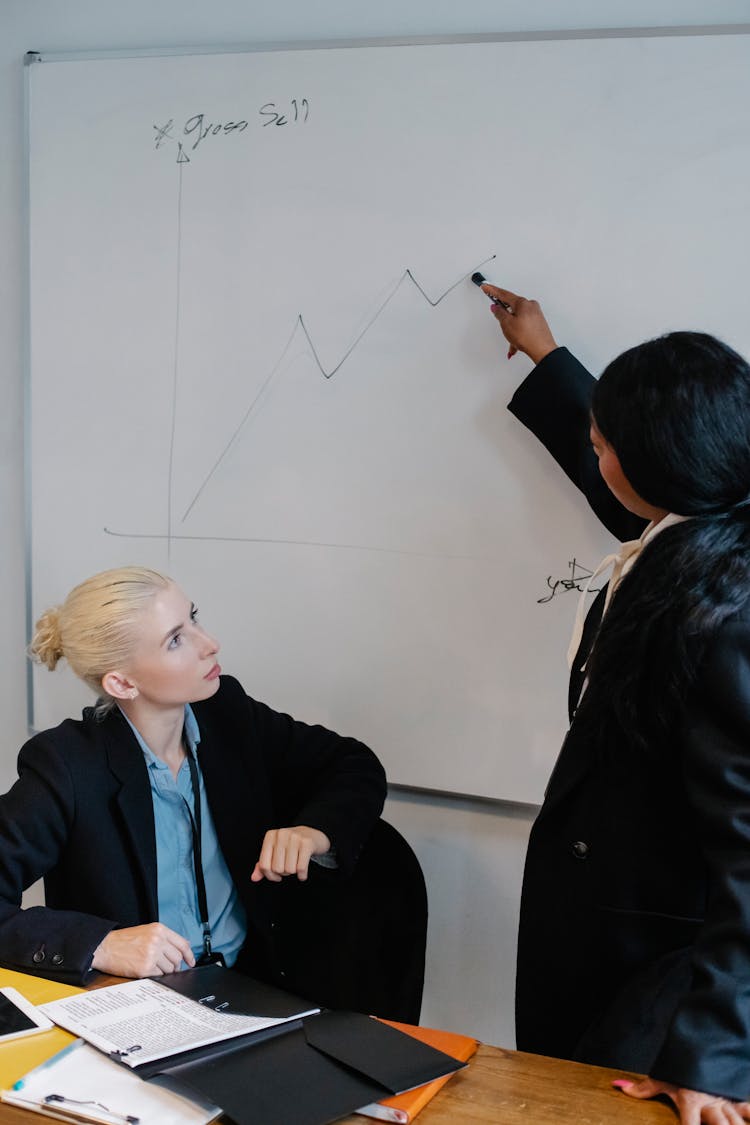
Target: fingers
172, 951
694, 1107
264, 868
645, 1088
522, 322
142, 951
736, 1113
504, 295
287, 851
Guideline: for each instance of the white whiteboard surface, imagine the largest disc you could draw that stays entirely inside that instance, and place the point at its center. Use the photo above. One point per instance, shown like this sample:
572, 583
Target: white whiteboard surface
234, 379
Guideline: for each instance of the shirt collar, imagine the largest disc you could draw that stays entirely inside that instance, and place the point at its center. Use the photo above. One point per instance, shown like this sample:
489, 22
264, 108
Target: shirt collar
654, 529
621, 562
192, 735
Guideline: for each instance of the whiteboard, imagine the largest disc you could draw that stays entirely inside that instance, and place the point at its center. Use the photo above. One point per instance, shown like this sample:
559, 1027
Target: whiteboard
258, 364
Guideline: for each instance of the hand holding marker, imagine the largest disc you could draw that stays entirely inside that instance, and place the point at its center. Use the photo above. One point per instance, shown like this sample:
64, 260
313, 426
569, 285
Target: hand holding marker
480, 280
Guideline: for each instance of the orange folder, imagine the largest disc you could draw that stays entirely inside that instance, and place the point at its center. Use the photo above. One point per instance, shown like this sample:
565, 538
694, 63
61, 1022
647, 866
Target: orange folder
403, 1108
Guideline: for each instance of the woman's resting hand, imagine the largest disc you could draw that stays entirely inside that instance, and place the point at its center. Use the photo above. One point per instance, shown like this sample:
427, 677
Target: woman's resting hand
142, 951
287, 851
693, 1106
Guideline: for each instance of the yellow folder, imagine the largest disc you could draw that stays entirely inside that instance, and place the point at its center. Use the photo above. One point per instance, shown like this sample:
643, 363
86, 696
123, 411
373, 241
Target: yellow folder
21, 1055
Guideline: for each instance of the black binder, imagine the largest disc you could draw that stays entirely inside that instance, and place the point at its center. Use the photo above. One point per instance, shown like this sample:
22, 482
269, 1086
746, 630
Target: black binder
305, 1072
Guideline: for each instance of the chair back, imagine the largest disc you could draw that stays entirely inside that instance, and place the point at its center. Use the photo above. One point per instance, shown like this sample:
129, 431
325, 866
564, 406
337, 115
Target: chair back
358, 943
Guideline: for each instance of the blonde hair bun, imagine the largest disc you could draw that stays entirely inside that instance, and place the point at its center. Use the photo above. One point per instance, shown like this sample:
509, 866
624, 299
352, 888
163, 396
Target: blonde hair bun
97, 625
46, 645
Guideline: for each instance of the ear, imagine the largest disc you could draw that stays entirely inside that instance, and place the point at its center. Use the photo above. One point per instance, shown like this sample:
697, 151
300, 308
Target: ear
119, 686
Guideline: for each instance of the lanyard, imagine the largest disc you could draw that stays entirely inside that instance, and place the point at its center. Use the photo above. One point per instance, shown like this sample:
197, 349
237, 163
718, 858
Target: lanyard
195, 825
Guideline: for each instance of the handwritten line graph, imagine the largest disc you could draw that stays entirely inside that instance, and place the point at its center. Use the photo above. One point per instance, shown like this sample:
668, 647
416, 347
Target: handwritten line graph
299, 325
300, 328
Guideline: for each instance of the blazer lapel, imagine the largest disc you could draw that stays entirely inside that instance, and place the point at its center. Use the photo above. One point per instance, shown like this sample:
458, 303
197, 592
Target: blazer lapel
578, 670
125, 760
576, 756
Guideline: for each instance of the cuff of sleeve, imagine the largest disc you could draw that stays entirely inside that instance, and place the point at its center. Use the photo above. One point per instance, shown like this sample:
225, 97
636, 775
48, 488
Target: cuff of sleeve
539, 384
327, 859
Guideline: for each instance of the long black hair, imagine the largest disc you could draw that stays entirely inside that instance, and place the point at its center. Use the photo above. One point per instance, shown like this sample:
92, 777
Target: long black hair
676, 411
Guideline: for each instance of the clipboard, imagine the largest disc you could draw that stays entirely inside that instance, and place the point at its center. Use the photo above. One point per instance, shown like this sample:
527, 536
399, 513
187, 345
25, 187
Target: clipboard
80, 1084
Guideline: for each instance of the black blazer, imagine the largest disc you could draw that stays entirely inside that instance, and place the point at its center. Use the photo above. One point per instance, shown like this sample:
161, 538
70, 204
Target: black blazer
81, 816
634, 940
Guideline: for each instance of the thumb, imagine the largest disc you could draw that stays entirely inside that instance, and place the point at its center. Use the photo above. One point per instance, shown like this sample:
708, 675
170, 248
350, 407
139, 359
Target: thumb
257, 874
645, 1088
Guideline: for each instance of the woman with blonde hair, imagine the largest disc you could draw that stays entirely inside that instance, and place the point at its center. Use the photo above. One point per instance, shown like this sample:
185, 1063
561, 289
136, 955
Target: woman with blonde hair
161, 820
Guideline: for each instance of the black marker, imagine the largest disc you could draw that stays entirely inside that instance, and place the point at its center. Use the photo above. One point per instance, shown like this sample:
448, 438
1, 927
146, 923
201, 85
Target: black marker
479, 279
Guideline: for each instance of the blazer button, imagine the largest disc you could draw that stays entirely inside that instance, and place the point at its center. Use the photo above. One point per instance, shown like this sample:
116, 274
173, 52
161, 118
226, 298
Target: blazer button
580, 849
38, 957
57, 958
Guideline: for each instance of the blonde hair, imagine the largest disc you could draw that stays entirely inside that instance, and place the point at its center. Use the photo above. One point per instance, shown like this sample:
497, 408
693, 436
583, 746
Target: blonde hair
96, 627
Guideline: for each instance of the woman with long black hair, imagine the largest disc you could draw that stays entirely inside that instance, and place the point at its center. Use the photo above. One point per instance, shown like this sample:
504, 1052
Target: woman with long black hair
634, 942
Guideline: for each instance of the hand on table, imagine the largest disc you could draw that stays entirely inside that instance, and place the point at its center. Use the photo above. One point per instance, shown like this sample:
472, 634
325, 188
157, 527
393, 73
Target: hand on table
693, 1106
522, 323
287, 851
142, 951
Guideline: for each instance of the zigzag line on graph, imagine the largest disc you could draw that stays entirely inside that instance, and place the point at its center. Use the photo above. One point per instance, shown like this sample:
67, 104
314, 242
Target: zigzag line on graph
299, 324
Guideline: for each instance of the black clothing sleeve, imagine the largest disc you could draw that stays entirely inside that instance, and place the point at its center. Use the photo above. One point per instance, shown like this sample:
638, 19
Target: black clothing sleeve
554, 402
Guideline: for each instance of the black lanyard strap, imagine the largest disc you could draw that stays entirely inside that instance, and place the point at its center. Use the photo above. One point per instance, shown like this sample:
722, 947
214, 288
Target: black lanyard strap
195, 825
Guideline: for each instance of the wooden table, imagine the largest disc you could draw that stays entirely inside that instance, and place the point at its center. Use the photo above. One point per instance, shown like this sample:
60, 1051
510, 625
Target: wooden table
502, 1087
499, 1087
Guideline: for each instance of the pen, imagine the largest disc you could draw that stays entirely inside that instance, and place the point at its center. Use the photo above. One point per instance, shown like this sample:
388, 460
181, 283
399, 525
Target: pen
19, 1085
479, 279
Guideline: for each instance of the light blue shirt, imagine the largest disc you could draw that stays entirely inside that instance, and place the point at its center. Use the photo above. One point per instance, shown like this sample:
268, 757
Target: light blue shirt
176, 887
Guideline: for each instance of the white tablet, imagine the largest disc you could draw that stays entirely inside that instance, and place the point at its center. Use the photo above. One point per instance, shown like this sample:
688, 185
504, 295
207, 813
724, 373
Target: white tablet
18, 1016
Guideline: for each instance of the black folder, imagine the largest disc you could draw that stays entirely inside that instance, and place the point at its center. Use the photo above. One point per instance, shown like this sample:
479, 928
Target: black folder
305, 1072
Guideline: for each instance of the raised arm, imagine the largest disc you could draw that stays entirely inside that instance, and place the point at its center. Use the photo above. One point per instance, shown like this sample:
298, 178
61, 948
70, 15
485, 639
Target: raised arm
554, 402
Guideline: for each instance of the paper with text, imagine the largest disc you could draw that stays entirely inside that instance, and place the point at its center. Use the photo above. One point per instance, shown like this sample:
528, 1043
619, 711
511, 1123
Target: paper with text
142, 1021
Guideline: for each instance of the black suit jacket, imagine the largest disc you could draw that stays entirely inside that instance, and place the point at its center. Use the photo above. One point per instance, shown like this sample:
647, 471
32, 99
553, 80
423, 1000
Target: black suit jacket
81, 816
634, 940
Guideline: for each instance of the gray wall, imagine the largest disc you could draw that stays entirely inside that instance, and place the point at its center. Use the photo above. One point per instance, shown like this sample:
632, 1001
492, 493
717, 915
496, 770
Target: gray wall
472, 852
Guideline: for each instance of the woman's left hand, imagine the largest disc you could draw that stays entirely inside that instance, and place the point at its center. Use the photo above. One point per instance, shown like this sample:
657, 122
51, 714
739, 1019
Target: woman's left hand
287, 851
693, 1106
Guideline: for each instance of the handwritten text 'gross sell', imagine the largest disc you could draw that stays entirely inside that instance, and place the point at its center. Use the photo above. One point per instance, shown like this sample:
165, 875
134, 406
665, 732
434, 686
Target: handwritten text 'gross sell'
199, 127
